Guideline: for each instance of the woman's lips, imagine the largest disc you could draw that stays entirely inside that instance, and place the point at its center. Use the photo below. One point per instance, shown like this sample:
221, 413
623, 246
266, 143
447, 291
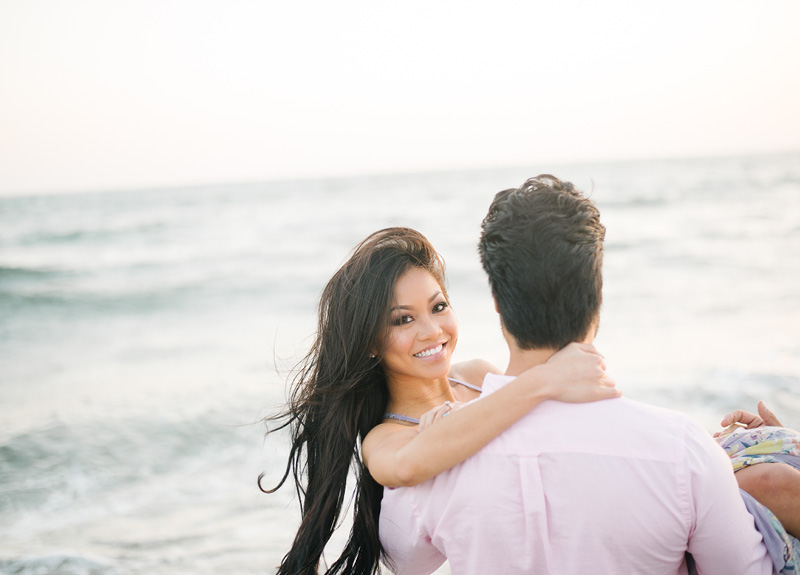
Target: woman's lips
431, 351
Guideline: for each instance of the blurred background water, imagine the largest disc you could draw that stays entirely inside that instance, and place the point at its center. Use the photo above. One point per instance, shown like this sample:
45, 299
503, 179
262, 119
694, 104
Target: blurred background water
144, 333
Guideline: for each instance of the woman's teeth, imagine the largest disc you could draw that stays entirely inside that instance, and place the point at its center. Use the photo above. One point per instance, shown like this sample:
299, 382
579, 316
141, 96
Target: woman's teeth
427, 352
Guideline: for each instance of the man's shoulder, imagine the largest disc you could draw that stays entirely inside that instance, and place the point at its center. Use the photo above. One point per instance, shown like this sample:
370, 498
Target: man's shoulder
620, 426
636, 409
646, 416
620, 411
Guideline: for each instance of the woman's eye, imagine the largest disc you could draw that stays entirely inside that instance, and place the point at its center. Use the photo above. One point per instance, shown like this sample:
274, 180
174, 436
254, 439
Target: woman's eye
403, 319
441, 306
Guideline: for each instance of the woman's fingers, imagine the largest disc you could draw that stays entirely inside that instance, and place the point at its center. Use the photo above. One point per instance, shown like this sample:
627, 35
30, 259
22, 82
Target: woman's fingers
750, 420
577, 348
579, 374
429, 417
740, 416
587, 347
610, 391
767, 415
437, 413
728, 430
607, 389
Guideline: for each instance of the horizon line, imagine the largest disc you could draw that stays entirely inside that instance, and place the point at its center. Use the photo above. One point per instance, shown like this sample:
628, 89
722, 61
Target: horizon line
167, 186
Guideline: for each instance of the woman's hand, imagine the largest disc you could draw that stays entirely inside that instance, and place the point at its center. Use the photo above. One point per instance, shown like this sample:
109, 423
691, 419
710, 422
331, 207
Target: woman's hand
437, 413
577, 374
743, 419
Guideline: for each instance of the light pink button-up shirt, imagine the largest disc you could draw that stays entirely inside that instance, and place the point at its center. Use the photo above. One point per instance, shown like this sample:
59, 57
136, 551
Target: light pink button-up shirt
614, 487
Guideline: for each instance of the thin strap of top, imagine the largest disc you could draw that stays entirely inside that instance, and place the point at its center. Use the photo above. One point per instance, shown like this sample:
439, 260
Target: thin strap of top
399, 417
407, 419
465, 384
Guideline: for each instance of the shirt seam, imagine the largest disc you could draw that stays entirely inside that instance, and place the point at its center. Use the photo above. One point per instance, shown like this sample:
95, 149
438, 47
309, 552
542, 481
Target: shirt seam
684, 483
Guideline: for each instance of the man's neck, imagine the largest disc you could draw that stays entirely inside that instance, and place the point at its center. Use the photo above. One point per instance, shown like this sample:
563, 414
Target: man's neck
523, 359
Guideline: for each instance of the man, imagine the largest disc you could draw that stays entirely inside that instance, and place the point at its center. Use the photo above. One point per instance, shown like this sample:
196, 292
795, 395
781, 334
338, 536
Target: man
612, 487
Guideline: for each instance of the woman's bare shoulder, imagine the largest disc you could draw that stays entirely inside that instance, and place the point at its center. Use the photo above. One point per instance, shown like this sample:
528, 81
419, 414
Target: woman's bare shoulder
472, 371
382, 432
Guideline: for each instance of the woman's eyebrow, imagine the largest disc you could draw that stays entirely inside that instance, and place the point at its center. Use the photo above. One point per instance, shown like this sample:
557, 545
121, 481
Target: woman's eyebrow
430, 299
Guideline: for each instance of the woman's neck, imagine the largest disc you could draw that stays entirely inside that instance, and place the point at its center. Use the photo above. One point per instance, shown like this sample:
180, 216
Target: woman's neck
413, 397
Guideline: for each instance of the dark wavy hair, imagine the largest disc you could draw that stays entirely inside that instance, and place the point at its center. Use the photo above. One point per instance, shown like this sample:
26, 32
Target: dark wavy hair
338, 394
542, 247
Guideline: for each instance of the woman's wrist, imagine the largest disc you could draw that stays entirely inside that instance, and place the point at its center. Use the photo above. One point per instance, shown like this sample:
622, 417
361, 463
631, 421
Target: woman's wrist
540, 384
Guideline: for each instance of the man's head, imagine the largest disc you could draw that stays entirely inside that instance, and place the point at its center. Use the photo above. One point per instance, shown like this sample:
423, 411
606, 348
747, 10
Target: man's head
542, 247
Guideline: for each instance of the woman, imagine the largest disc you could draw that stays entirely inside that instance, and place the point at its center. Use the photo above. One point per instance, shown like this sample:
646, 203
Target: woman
380, 363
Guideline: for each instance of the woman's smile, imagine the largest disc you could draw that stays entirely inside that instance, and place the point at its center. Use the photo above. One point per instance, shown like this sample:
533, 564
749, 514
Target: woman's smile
436, 350
423, 330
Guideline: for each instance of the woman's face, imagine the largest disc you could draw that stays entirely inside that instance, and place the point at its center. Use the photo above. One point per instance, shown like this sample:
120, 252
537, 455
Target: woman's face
423, 330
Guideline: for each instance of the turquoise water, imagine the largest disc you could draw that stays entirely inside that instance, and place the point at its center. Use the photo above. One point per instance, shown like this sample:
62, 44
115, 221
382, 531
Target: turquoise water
144, 333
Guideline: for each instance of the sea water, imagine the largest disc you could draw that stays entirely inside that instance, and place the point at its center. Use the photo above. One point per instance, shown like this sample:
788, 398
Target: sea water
145, 333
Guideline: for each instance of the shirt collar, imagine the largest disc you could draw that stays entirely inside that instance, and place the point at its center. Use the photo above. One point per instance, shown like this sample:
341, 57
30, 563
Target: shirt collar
493, 381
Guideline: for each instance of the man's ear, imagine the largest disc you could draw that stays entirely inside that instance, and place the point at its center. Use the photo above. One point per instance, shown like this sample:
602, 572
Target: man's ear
496, 308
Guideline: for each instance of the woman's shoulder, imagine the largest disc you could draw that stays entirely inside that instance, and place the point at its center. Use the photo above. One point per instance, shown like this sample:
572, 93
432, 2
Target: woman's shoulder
472, 371
377, 437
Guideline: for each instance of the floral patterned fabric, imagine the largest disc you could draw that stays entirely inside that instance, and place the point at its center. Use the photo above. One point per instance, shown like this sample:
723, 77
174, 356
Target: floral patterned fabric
761, 445
747, 447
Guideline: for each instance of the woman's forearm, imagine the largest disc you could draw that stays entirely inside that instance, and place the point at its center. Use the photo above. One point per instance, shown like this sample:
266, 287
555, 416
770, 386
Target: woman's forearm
574, 374
463, 433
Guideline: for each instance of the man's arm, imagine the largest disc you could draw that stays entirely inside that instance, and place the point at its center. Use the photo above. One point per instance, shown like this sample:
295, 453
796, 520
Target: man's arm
723, 539
410, 551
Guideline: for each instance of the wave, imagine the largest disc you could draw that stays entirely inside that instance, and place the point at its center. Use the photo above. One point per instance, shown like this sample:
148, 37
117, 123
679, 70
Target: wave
10, 273
720, 391
90, 235
635, 202
25, 306
24, 291
58, 564
62, 467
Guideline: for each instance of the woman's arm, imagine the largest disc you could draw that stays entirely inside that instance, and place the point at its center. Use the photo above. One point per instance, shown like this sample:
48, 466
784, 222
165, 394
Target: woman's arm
401, 456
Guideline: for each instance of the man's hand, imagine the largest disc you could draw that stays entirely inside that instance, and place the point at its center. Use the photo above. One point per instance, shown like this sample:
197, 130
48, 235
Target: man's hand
740, 418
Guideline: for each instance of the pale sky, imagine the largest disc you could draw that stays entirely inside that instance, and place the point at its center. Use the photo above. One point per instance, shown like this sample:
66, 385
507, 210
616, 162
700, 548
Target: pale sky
106, 94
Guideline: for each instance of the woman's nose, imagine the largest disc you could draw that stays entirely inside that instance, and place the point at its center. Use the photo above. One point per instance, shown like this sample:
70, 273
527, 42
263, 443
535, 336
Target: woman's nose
429, 328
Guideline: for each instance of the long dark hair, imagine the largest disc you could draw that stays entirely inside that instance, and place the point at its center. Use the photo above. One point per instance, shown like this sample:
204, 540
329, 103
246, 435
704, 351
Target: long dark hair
338, 394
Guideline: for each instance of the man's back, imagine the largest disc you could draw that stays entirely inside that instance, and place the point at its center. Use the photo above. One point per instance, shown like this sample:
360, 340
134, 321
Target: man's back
607, 487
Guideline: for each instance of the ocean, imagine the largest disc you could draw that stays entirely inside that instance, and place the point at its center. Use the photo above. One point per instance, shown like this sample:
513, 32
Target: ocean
144, 334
